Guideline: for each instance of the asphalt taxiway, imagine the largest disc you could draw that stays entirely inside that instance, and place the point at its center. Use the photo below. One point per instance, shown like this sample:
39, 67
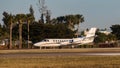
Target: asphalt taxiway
110, 52
20, 55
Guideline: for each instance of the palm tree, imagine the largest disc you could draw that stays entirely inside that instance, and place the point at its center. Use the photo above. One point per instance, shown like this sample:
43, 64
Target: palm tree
9, 19
79, 19
70, 21
29, 18
20, 18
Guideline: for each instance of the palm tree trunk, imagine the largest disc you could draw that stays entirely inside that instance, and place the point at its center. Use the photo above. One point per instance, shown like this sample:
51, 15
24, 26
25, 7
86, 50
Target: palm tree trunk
78, 30
11, 35
28, 34
20, 35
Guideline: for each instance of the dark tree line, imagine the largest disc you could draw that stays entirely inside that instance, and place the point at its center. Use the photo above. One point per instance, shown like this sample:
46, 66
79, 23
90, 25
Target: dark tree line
40, 31
102, 38
113, 36
116, 30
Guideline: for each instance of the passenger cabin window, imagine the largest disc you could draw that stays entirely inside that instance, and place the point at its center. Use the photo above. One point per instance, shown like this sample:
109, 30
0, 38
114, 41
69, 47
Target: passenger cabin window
47, 40
70, 41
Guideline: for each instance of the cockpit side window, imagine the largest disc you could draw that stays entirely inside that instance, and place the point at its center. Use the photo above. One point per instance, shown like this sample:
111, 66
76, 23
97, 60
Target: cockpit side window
46, 40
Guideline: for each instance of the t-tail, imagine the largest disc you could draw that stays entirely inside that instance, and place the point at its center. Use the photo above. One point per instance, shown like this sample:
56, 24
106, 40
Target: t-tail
91, 32
90, 36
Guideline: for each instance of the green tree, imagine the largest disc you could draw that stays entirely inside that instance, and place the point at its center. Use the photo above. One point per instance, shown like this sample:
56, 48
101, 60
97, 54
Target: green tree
9, 19
20, 18
69, 20
31, 10
40, 31
2, 33
79, 19
116, 30
29, 18
101, 38
48, 16
37, 34
112, 37
5, 19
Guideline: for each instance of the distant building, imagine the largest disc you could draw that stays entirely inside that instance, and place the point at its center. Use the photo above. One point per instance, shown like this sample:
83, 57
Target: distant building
4, 42
105, 32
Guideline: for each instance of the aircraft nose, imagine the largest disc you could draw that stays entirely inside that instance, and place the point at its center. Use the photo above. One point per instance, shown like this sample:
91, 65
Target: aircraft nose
36, 44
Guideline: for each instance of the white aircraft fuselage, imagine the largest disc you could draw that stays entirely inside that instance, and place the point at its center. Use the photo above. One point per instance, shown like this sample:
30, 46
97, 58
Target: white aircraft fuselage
63, 42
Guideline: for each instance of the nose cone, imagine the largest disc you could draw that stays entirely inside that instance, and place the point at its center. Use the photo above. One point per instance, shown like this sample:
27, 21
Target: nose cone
37, 44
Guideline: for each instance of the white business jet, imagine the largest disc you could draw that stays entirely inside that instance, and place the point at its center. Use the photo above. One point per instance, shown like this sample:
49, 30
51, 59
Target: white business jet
89, 38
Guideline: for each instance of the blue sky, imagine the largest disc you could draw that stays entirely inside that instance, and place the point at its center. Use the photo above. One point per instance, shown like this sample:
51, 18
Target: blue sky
97, 13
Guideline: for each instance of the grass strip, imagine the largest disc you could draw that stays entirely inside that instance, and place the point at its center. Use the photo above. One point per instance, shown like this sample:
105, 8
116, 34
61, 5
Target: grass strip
61, 62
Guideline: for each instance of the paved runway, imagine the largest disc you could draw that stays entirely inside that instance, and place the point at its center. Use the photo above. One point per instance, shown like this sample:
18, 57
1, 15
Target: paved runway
57, 54
61, 52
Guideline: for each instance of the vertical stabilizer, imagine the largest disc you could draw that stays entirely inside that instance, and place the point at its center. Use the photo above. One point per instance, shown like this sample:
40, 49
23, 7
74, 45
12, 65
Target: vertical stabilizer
91, 32
90, 36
